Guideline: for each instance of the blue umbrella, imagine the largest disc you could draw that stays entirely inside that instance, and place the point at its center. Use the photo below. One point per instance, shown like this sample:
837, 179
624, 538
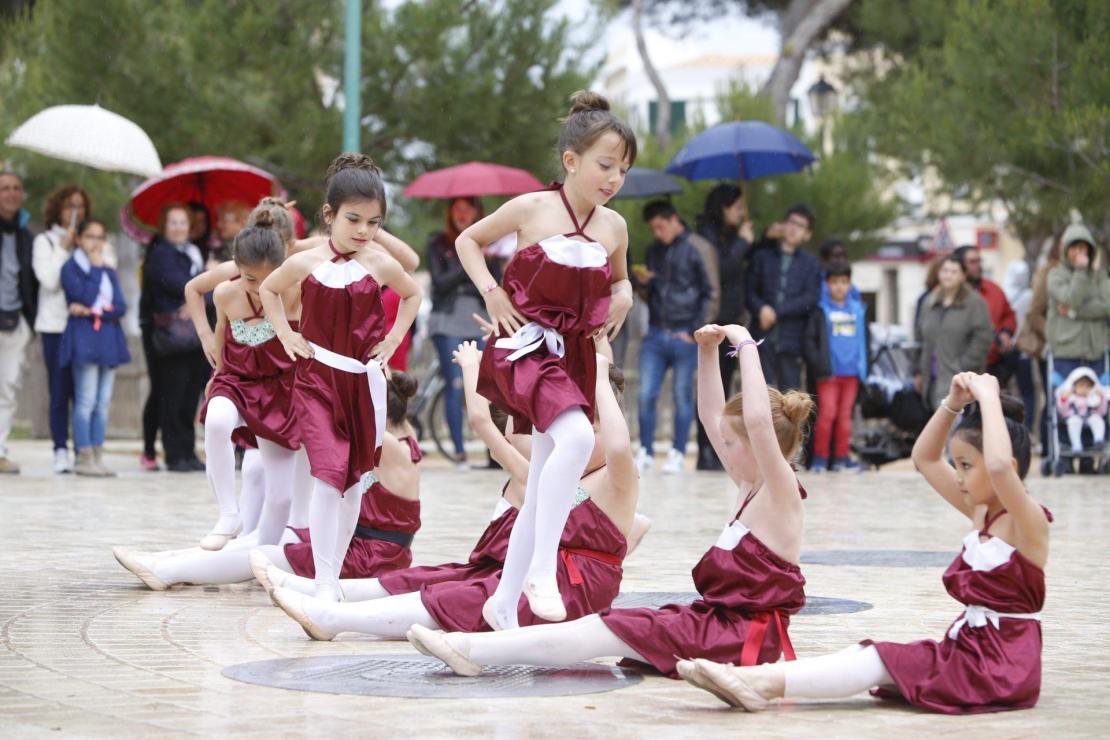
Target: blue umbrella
642, 182
740, 150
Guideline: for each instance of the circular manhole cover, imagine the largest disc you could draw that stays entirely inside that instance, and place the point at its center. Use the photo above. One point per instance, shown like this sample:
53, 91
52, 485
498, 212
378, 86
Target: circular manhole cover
420, 677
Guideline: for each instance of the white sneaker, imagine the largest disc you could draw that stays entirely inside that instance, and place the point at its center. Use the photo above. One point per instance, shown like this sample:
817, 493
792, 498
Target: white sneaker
644, 461
676, 462
62, 463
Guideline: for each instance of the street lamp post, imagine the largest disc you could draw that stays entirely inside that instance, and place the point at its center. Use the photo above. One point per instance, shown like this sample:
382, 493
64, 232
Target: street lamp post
352, 74
823, 101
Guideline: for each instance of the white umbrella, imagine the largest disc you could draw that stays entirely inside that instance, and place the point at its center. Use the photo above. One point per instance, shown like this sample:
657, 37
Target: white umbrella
89, 135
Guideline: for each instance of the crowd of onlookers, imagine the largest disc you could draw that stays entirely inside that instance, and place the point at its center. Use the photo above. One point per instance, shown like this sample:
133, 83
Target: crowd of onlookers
810, 319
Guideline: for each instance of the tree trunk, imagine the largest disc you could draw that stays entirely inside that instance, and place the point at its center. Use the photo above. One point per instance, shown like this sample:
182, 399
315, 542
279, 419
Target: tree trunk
803, 23
663, 119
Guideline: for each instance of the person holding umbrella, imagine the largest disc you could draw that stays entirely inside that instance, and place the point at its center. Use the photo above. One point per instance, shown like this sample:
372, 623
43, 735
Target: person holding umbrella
455, 300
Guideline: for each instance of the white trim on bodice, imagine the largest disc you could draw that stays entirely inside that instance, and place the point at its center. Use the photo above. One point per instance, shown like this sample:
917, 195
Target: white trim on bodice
731, 536
573, 253
984, 556
339, 274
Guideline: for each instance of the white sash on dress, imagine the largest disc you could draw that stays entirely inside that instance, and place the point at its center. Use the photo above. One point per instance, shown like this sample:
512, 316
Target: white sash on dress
375, 377
979, 616
528, 338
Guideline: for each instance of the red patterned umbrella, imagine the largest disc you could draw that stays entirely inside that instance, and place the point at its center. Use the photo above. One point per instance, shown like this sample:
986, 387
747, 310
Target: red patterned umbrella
212, 181
472, 180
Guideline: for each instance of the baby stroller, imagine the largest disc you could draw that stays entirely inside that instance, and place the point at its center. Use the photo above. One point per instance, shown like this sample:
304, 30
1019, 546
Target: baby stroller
892, 412
1060, 456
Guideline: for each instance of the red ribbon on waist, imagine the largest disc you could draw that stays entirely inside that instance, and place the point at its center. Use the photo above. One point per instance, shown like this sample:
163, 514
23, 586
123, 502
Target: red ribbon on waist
572, 568
757, 632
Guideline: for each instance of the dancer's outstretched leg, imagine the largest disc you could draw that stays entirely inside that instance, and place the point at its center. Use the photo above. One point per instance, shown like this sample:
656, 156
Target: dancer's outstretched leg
354, 589
302, 491
544, 644
500, 611
572, 439
388, 618
280, 465
835, 676
222, 418
195, 566
252, 491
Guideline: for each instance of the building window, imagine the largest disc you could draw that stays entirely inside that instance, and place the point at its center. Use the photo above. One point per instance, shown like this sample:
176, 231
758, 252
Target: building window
678, 116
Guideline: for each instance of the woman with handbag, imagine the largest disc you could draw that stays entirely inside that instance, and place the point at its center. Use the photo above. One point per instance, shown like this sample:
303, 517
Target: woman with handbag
175, 360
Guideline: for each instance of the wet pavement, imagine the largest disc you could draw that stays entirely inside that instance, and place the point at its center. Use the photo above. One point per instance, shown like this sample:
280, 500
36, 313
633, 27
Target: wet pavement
86, 650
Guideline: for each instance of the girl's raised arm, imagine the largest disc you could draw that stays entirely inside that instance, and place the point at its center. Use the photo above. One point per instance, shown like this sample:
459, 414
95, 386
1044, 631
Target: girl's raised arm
928, 451
468, 357
399, 250
620, 463
711, 389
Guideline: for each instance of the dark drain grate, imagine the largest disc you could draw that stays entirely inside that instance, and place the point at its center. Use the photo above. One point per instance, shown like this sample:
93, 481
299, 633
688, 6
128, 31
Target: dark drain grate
880, 558
420, 677
655, 599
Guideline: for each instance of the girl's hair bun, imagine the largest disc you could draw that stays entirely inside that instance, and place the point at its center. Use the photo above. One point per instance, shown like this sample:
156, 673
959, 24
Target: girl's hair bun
585, 101
350, 161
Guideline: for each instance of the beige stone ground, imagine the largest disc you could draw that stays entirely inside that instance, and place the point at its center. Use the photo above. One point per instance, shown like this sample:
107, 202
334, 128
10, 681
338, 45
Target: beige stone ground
86, 651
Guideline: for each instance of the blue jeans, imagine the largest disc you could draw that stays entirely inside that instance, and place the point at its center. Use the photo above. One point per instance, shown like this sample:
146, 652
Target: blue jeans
92, 386
453, 395
663, 349
60, 383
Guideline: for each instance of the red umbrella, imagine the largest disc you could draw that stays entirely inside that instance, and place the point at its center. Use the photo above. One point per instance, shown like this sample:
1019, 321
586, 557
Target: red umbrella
471, 180
212, 181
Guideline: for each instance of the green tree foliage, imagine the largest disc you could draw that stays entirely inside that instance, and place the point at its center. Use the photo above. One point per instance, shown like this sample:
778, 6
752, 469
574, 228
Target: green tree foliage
444, 81
1008, 100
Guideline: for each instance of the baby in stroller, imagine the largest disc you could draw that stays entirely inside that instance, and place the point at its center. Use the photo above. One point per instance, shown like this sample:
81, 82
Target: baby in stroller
1082, 403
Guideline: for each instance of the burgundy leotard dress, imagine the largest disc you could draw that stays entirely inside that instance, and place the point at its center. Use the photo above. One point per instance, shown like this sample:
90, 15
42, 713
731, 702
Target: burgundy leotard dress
990, 658
562, 286
588, 572
341, 312
257, 376
383, 537
486, 559
747, 596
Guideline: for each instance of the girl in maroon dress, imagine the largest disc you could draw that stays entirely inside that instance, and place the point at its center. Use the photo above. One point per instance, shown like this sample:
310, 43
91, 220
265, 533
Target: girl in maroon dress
568, 282
749, 581
592, 547
390, 516
339, 390
989, 660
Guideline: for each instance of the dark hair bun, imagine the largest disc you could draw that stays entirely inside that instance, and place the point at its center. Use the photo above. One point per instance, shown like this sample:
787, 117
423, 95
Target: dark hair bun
585, 101
1012, 408
263, 219
404, 384
350, 161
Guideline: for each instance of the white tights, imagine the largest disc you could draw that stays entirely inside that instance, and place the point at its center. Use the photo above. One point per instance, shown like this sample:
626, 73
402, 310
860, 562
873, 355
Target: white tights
332, 518
252, 489
544, 644
835, 676
353, 589
207, 568
221, 420
559, 458
389, 618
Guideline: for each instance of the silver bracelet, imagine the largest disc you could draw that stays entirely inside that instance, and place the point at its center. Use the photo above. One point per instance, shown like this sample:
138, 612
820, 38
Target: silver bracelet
949, 409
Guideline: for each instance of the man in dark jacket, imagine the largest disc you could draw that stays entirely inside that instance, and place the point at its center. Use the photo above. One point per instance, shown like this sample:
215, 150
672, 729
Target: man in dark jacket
678, 292
19, 290
784, 285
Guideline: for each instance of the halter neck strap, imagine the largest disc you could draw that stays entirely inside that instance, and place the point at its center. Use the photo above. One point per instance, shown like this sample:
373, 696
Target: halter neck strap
345, 256
579, 229
985, 531
748, 500
256, 311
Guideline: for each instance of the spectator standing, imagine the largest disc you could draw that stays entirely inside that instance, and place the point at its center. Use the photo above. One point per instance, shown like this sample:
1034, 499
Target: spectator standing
678, 294
725, 227
836, 345
175, 360
932, 279
93, 344
1031, 336
830, 252
1020, 296
65, 209
955, 332
455, 300
784, 286
1002, 361
1078, 304
200, 227
18, 301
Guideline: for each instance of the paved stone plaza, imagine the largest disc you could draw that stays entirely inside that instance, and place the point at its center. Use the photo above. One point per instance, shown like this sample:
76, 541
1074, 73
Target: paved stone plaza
85, 650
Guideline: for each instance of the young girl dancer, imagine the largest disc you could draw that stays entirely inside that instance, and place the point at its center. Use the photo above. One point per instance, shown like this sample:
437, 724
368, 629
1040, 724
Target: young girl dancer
554, 295
390, 516
990, 658
251, 389
340, 389
749, 581
591, 551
